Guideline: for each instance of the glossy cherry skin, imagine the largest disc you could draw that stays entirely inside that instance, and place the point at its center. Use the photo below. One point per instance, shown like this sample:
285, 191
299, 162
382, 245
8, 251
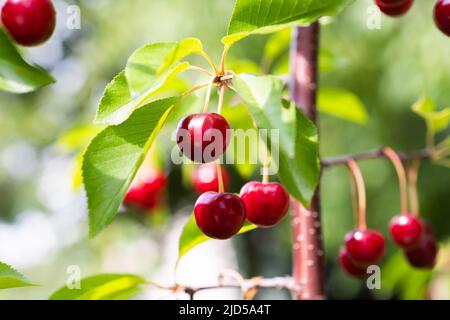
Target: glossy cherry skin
219, 215
442, 16
394, 7
29, 22
406, 230
424, 254
364, 247
349, 266
203, 137
146, 190
205, 178
266, 204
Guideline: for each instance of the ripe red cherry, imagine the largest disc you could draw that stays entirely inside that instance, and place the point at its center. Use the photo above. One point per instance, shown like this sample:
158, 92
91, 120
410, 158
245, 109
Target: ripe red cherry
203, 137
406, 230
364, 247
442, 16
266, 203
146, 190
424, 254
348, 265
29, 22
219, 215
394, 7
205, 178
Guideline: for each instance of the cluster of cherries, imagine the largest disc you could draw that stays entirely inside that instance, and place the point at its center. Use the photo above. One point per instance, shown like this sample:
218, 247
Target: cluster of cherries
364, 247
219, 214
416, 238
29, 22
399, 7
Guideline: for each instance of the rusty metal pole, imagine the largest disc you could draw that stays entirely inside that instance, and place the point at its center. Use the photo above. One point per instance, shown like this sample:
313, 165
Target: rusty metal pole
308, 254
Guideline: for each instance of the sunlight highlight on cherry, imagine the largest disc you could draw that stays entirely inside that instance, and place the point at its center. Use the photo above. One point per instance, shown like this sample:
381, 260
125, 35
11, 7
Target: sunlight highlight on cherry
406, 230
365, 247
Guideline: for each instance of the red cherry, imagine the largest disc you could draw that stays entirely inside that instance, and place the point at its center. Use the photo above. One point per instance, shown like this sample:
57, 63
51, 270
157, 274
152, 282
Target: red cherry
146, 190
406, 230
219, 215
364, 246
29, 22
394, 7
266, 204
203, 137
205, 178
348, 265
442, 16
424, 254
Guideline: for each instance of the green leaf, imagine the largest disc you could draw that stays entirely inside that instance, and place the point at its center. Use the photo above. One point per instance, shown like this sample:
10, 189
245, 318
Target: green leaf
297, 148
147, 64
113, 158
16, 75
424, 105
77, 138
149, 70
192, 236
102, 287
263, 16
437, 121
10, 278
343, 104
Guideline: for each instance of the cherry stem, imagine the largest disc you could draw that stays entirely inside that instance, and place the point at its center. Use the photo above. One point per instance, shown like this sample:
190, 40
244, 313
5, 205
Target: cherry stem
200, 69
397, 162
221, 99
361, 192
224, 58
413, 173
354, 199
219, 110
266, 164
195, 88
220, 177
211, 62
208, 95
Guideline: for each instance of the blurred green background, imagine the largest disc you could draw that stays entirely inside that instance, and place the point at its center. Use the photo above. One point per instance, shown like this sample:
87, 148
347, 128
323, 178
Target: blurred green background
43, 219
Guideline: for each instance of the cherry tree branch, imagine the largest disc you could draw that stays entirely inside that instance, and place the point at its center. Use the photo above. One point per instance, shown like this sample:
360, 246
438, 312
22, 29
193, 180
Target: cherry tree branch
308, 256
248, 287
375, 154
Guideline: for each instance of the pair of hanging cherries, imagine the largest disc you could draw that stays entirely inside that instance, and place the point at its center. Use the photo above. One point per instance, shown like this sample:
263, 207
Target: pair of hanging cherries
204, 138
398, 7
364, 247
